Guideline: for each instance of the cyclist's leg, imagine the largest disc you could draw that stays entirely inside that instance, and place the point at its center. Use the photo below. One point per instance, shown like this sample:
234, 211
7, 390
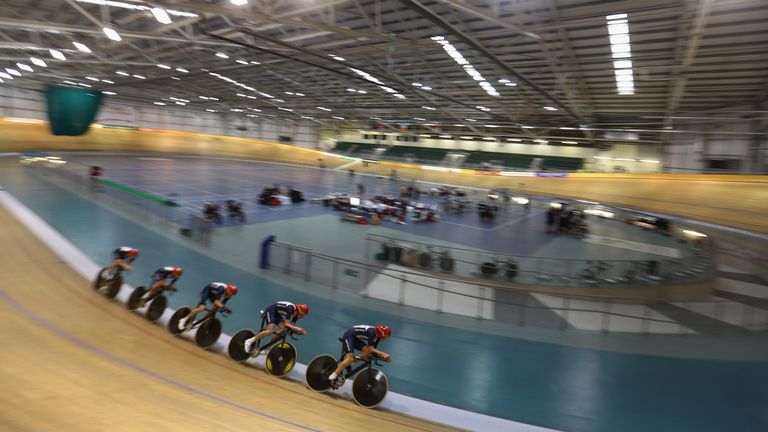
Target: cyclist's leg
154, 291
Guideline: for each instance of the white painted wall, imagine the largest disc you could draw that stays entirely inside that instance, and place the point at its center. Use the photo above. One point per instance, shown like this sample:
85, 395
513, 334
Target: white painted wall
15, 102
688, 152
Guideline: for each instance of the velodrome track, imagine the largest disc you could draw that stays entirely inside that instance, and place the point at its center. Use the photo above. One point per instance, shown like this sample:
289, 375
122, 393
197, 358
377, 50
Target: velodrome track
75, 361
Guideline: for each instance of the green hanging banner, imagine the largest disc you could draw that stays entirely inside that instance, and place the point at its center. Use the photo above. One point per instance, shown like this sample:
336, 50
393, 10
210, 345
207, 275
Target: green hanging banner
71, 110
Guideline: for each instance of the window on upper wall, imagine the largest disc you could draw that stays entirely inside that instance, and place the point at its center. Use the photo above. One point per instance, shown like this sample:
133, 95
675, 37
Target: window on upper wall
723, 164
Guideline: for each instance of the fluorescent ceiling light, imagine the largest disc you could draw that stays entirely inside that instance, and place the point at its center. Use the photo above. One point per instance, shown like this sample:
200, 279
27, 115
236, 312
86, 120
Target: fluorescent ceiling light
504, 81
426, 88
38, 62
245, 62
222, 55
57, 54
92, 78
620, 48
255, 62
123, 73
163, 66
417, 84
541, 141
112, 34
107, 81
180, 103
210, 110
338, 118
13, 71
159, 103
109, 93
139, 76
567, 128
285, 109
618, 28
459, 125
622, 64
176, 78
569, 142
616, 16
490, 126
352, 90
324, 108
419, 119
25, 67
429, 108
362, 92
84, 85
619, 39
238, 2
445, 136
649, 161
470, 120
308, 117
489, 138
240, 94
161, 15
466, 137
549, 108
6, 76
514, 139
124, 5
335, 57
511, 84
527, 127
182, 70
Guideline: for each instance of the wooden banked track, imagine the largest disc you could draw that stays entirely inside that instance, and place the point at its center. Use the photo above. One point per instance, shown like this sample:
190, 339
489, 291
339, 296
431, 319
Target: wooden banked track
74, 361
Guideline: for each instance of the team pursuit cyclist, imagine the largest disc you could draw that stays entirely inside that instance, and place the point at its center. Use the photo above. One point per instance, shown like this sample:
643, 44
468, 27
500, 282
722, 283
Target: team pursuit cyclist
217, 293
123, 257
364, 338
159, 283
283, 314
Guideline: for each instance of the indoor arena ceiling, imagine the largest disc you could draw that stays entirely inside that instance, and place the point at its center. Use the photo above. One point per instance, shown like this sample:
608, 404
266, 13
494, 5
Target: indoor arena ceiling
588, 69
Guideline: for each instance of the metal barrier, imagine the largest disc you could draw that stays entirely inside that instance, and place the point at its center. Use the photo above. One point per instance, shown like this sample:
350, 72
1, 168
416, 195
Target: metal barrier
696, 264
483, 299
154, 209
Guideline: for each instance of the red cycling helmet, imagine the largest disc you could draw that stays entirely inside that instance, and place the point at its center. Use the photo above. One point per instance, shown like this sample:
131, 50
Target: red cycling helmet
177, 271
133, 253
231, 289
303, 308
383, 330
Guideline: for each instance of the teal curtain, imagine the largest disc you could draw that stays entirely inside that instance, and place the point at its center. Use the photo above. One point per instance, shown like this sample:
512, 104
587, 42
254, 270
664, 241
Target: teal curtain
71, 110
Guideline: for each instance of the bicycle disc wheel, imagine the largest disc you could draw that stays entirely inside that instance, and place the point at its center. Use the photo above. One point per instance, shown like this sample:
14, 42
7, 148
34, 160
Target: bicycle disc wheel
208, 333
135, 298
100, 281
236, 349
156, 308
317, 372
114, 286
281, 359
173, 323
370, 388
